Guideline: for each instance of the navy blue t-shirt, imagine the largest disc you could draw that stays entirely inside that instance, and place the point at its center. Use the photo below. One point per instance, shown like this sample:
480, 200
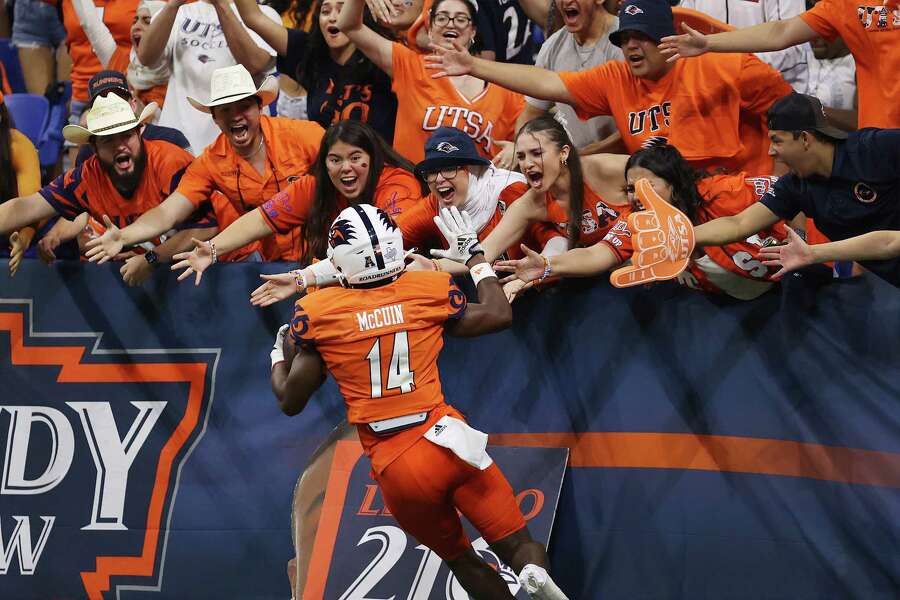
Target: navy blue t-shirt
862, 194
505, 30
339, 94
151, 132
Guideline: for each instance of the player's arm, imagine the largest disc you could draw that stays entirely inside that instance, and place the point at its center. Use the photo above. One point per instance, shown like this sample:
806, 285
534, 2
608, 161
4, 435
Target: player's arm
22, 211
726, 230
492, 312
525, 79
766, 37
296, 373
272, 33
376, 48
241, 45
153, 43
156, 221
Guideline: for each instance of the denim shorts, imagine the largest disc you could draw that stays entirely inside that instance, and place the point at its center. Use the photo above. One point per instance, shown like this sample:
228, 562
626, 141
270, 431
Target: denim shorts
36, 24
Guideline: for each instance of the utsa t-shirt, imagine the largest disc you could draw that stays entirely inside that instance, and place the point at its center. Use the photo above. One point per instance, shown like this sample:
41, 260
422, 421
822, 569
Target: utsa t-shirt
381, 345
87, 188
712, 107
872, 32
425, 104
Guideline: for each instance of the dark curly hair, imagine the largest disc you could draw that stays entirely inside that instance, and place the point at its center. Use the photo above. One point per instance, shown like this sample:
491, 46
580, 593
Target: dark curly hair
667, 163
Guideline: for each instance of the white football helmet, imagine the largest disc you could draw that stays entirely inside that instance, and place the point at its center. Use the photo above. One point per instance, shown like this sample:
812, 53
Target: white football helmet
365, 246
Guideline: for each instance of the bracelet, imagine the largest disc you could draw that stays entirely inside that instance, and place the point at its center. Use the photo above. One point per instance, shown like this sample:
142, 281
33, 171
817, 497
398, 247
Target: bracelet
212, 248
299, 279
546, 269
481, 271
437, 265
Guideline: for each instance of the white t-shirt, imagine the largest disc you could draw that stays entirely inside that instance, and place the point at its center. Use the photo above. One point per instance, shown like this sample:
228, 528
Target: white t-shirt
560, 52
790, 62
195, 49
833, 81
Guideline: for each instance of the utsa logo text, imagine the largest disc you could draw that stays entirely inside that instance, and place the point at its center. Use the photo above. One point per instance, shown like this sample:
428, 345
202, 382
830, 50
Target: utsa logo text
471, 122
651, 119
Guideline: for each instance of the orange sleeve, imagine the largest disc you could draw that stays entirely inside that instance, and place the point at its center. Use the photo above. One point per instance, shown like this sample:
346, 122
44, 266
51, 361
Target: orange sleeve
120, 59
197, 183
310, 133
618, 239
589, 89
289, 208
760, 85
417, 225
823, 17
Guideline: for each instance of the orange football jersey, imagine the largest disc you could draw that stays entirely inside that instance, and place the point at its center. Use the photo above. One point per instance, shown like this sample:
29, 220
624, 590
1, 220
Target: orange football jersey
597, 217
725, 195
425, 104
382, 344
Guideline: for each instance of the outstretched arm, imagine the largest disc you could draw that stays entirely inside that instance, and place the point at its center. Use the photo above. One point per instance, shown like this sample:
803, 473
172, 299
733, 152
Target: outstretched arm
22, 211
578, 262
796, 254
242, 47
272, 33
525, 79
376, 48
765, 37
153, 43
726, 230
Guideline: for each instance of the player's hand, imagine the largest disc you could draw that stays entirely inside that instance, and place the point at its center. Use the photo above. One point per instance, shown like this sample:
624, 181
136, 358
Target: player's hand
136, 270
690, 43
525, 269
460, 234
107, 246
277, 353
663, 239
515, 288
793, 255
417, 262
277, 287
196, 261
449, 62
506, 158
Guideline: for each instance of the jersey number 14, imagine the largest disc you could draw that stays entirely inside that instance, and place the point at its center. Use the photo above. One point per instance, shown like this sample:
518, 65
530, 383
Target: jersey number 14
399, 375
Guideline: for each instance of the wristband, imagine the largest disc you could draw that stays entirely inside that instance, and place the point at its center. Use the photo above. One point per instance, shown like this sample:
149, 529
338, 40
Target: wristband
481, 271
546, 273
437, 265
212, 249
299, 279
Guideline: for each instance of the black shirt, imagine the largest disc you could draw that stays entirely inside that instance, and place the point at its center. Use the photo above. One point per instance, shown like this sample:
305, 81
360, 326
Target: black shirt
151, 132
862, 194
505, 30
339, 94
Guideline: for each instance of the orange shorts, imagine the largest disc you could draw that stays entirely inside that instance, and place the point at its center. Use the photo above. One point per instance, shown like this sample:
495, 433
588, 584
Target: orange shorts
424, 487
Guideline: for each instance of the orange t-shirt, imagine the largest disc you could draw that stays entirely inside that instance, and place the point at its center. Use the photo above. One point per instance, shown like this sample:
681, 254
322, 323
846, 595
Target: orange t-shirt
725, 195
872, 32
425, 104
118, 16
712, 108
396, 191
420, 232
291, 149
87, 188
597, 217
381, 345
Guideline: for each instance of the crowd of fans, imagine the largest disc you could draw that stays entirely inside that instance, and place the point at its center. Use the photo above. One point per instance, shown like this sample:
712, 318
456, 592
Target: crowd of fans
537, 117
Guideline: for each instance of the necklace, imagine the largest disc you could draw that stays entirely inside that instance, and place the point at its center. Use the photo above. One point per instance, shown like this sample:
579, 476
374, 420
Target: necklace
255, 152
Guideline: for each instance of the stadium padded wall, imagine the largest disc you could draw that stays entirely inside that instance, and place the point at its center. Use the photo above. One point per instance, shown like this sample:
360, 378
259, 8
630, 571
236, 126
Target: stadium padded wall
719, 450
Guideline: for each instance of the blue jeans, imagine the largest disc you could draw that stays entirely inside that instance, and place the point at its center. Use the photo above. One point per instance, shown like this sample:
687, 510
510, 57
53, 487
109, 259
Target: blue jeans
36, 24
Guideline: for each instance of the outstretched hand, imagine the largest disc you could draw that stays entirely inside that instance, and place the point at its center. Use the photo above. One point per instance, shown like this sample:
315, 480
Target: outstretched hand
277, 287
525, 269
663, 239
794, 254
690, 43
107, 246
195, 261
458, 230
449, 62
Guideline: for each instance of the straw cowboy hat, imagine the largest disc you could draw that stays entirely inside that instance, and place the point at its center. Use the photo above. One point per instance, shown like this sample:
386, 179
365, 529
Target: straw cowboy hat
230, 84
109, 115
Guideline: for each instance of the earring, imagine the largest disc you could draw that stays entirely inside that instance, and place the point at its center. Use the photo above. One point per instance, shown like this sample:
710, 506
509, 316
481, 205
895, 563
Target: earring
565, 162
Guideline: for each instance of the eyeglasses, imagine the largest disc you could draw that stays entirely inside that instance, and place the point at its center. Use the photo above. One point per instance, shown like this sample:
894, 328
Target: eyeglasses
442, 19
447, 173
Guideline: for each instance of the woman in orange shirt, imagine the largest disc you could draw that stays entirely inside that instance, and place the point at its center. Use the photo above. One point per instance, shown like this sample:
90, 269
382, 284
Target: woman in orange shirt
20, 175
354, 166
485, 111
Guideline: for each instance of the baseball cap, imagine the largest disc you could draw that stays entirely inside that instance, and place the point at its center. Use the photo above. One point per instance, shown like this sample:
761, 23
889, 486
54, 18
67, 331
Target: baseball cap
651, 17
799, 112
449, 147
107, 81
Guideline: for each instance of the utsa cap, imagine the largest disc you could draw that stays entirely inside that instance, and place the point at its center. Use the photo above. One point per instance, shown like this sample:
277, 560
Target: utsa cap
108, 81
799, 112
653, 18
449, 147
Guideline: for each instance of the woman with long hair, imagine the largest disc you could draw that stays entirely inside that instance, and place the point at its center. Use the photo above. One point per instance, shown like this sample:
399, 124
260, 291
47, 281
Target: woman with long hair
20, 175
340, 82
486, 112
354, 166
734, 269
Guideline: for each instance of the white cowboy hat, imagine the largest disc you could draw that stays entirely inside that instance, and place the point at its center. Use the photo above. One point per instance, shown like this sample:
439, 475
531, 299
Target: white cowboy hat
230, 84
109, 115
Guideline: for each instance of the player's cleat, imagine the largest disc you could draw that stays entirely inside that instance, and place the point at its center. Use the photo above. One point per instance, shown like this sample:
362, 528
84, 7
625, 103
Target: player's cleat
539, 585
